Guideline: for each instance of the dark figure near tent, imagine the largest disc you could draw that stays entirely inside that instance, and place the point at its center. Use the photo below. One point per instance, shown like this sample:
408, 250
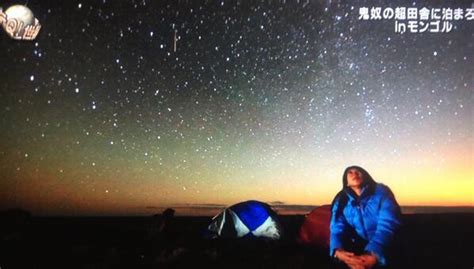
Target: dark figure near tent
162, 234
166, 220
365, 218
162, 225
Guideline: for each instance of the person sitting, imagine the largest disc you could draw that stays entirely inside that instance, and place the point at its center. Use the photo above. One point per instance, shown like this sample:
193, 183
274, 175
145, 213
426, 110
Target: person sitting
365, 218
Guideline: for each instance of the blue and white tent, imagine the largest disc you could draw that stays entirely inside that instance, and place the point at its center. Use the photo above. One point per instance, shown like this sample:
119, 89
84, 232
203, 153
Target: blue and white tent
246, 219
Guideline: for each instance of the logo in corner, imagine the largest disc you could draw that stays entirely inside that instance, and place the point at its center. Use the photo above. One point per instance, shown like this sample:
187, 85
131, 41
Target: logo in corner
19, 22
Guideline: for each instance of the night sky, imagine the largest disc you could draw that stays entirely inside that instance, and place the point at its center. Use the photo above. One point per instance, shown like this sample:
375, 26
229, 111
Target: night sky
266, 100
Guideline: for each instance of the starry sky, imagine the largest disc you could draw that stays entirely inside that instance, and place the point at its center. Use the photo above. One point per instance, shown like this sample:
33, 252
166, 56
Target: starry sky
119, 107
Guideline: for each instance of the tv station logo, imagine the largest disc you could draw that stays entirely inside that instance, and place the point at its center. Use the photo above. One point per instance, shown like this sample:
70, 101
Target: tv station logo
19, 22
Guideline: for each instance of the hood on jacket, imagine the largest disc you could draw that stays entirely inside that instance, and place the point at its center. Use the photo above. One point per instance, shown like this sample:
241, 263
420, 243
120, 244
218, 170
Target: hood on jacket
346, 192
368, 180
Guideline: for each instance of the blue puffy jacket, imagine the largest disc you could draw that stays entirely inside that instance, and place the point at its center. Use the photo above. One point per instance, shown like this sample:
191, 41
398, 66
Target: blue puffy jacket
374, 217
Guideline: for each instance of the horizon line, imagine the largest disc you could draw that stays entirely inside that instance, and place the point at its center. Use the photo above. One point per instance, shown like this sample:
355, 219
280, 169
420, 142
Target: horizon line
213, 209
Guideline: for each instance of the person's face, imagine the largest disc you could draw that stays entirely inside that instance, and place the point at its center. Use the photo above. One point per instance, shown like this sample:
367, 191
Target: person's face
354, 178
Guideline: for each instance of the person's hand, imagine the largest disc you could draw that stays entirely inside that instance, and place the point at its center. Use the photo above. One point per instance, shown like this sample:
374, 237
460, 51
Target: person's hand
356, 266
365, 261
342, 255
349, 258
368, 260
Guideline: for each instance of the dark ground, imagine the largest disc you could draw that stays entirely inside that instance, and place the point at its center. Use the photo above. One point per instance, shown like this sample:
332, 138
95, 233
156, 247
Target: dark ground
425, 241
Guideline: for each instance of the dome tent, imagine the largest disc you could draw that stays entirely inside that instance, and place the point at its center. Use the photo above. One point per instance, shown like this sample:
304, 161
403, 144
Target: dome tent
246, 219
315, 228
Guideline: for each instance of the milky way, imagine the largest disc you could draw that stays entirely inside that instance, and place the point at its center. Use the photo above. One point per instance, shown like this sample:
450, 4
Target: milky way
119, 106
